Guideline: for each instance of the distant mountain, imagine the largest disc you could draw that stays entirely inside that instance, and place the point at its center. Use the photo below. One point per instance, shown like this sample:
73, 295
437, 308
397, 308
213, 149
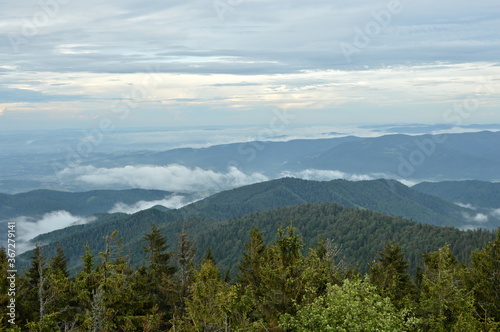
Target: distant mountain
202, 217
445, 157
386, 196
436, 157
254, 156
38, 202
359, 234
474, 193
425, 157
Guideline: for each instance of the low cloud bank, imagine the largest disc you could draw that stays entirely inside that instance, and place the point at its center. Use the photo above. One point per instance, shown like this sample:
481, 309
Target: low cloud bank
478, 218
174, 177
468, 206
28, 228
495, 213
328, 175
171, 202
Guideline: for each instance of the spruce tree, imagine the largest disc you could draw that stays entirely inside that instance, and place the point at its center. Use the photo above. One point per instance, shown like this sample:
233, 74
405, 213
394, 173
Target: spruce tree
484, 279
390, 275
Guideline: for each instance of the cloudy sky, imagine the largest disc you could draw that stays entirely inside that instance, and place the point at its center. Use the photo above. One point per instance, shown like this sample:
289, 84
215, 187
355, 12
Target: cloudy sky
130, 63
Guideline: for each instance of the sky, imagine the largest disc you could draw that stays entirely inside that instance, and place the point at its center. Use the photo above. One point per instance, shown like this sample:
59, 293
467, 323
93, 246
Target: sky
129, 63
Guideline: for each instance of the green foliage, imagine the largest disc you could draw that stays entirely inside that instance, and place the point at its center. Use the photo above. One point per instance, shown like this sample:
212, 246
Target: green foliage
354, 306
445, 302
484, 279
477, 193
209, 305
38, 202
390, 275
280, 286
208, 218
359, 234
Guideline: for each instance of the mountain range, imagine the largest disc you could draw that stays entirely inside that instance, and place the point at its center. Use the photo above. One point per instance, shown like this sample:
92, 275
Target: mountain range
38, 202
412, 158
382, 207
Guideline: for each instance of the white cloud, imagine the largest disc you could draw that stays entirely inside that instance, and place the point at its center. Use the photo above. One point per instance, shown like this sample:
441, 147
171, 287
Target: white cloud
469, 227
174, 177
478, 218
171, 202
495, 213
28, 228
327, 175
468, 206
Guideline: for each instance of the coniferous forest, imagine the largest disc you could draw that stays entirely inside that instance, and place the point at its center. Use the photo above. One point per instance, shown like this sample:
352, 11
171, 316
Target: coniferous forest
278, 286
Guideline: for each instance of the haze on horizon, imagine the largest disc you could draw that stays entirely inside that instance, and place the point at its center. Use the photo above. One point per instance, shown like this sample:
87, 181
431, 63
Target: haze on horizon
70, 64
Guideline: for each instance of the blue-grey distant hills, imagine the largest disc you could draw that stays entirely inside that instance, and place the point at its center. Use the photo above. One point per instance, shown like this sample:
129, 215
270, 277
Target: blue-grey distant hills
38, 202
423, 157
387, 196
449, 157
438, 157
283, 196
478, 194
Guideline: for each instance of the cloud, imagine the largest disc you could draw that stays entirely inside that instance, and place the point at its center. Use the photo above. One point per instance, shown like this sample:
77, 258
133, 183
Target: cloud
28, 228
327, 175
290, 54
469, 227
468, 206
478, 218
12, 95
174, 177
495, 213
171, 202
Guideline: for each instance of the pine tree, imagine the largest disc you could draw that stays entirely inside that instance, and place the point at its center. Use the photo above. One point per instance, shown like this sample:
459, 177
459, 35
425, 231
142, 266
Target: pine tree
445, 301
250, 264
390, 275
114, 303
178, 289
282, 276
209, 305
39, 295
484, 280
156, 254
64, 308
156, 277
86, 285
209, 256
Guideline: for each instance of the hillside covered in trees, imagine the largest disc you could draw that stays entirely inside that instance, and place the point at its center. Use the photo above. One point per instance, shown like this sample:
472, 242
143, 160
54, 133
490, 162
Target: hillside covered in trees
359, 233
278, 286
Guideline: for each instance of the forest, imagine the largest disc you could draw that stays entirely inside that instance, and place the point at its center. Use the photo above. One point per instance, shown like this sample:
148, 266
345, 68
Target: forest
283, 285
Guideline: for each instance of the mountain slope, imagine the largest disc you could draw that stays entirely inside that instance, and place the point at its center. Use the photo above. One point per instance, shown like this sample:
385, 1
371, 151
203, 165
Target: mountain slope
437, 157
38, 202
476, 193
255, 156
386, 196
360, 234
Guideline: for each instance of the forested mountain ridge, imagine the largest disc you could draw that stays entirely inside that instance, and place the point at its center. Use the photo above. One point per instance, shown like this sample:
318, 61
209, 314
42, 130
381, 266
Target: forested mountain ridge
446, 157
473, 155
280, 285
387, 196
38, 202
360, 233
475, 193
